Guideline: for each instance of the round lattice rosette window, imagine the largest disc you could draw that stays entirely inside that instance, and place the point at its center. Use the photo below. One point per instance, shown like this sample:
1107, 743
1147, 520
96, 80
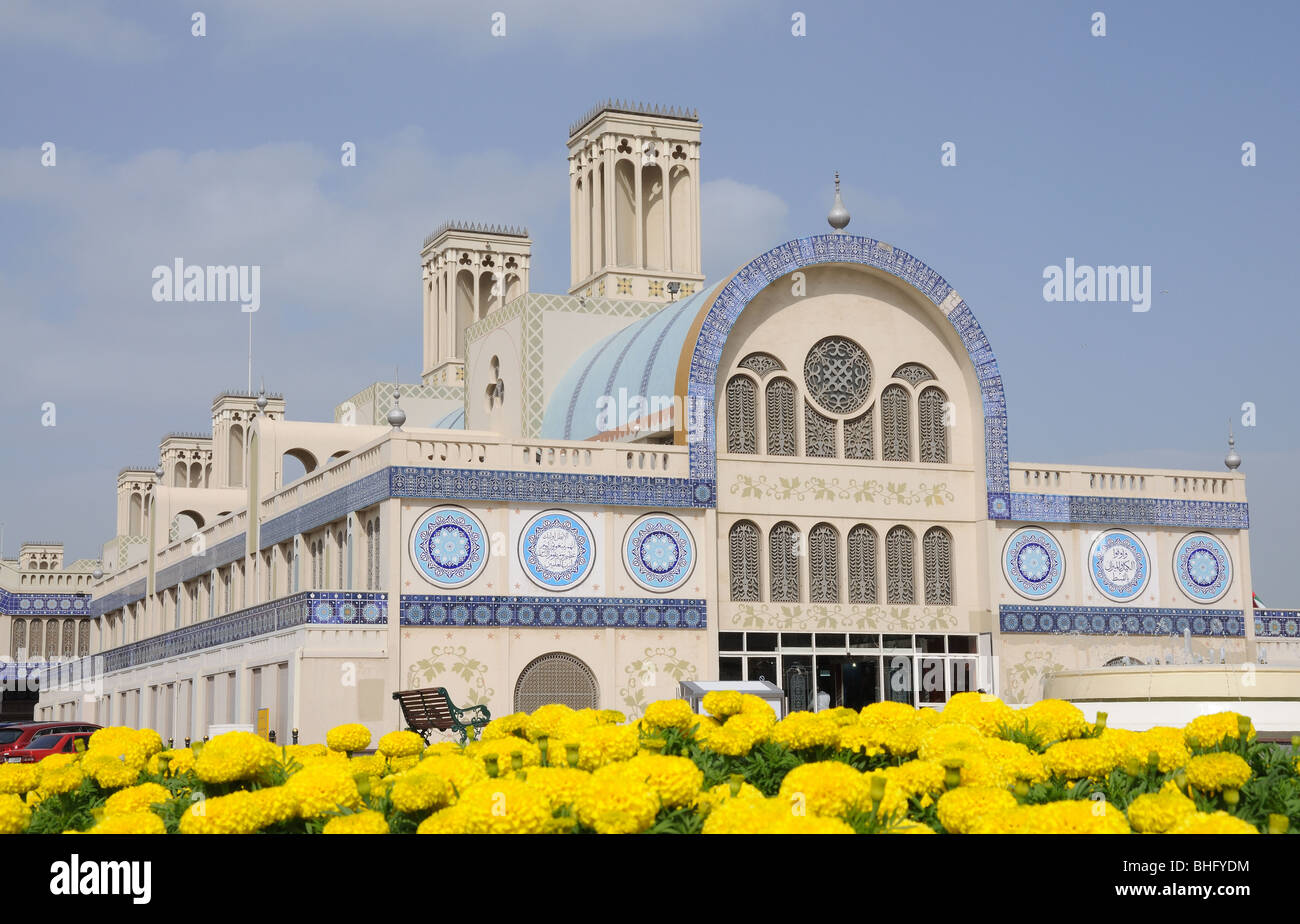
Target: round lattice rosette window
449, 546
1202, 567
658, 552
837, 374
557, 549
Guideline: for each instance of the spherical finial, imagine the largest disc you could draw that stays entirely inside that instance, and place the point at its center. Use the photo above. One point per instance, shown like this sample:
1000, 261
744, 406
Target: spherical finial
97, 573
158, 473
396, 416
261, 400
839, 215
1233, 459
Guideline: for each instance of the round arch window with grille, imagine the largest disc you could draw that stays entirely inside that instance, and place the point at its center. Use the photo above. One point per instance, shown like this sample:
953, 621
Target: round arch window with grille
837, 374
556, 678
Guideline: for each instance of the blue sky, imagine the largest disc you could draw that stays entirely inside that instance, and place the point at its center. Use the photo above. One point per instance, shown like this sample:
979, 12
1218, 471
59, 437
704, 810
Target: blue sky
225, 149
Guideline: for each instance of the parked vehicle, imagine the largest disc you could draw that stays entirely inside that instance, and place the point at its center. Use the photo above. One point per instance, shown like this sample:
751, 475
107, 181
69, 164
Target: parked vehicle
43, 746
19, 735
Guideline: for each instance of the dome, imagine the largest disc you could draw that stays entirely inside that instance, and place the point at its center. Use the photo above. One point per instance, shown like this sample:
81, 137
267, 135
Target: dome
642, 359
452, 420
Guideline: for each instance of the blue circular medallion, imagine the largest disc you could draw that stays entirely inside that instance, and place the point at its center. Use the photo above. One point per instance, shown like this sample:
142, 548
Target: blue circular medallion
1119, 565
557, 549
1033, 563
449, 546
1203, 568
658, 552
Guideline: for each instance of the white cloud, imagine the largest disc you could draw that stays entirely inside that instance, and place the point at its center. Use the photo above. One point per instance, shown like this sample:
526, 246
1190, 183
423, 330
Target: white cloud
84, 27
739, 222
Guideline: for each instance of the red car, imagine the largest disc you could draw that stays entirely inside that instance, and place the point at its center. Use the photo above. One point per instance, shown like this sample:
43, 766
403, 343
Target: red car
43, 746
13, 737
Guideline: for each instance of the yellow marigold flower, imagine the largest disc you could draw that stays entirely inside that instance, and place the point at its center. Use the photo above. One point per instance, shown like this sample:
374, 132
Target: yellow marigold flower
401, 764
918, 778
601, 745
136, 799
418, 791
768, 816
714, 796
841, 715
1166, 743
802, 730
910, 828
323, 789
757, 725
1208, 731
827, 788
560, 785
176, 761
888, 713
1078, 816
61, 780
18, 779
400, 744
546, 720
367, 822
1213, 823
240, 812
129, 823
460, 771
723, 704
1157, 813
234, 756
504, 749
959, 809
301, 752
677, 780
612, 803
981, 711
860, 740
350, 737
275, 804
14, 814
670, 713
894, 803
109, 771
503, 806
756, 705
449, 821
369, 764
950, 740
1217, 772
505, 726
1084, 758
57, 761
1052, 720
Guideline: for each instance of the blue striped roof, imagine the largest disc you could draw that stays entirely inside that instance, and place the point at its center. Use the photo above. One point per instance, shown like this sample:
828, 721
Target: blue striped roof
641, 358
452, 420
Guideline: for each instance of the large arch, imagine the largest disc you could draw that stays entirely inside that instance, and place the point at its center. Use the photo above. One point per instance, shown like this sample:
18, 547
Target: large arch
697, 372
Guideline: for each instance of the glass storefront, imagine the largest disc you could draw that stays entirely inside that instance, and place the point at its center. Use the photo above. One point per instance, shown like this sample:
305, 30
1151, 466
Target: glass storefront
823, 670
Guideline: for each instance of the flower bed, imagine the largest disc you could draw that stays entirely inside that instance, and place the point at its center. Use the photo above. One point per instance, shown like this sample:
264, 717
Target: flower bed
977, 767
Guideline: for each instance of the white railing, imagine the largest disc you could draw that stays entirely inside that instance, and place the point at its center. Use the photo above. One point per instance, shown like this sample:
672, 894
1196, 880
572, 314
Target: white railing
1117, 482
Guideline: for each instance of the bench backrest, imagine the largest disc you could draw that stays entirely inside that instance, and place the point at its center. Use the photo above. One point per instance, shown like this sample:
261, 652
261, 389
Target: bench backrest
424, 709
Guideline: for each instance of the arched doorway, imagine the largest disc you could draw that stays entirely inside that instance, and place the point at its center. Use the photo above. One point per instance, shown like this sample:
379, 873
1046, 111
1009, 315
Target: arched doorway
556, 678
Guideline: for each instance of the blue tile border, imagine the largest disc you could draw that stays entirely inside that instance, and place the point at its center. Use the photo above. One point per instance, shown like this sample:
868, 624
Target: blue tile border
295, 610
1119, 620
1277, 624
1132, 511
753, 278
454, 611
49, 604
544, 487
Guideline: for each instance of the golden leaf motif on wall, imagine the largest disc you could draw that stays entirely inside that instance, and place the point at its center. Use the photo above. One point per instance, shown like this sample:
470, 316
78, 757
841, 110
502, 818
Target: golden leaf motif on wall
1024, 680
655, 662
848, 617
830, 489
456, 660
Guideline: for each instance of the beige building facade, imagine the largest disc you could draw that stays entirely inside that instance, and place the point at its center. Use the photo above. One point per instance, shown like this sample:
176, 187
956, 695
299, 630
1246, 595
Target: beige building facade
798, 473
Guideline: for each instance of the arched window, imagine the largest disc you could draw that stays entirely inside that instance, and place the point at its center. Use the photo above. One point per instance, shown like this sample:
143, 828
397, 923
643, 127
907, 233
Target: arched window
859, 442
824, 564
742, 414
913, 373
83, 638
69, 638
863, 586
761, 364
895, 425
900, 565
744, 561
937, 546
556, 678
51, 638
781, 439
34, 638
18, 642
783, 562
934, 435
818, 434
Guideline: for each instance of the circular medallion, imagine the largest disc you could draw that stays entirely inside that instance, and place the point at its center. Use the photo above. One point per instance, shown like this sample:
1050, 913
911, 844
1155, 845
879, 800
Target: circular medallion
557, 550
1119, 565
449, 546
658, 552
1033, 563
837, 374
1203, 568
